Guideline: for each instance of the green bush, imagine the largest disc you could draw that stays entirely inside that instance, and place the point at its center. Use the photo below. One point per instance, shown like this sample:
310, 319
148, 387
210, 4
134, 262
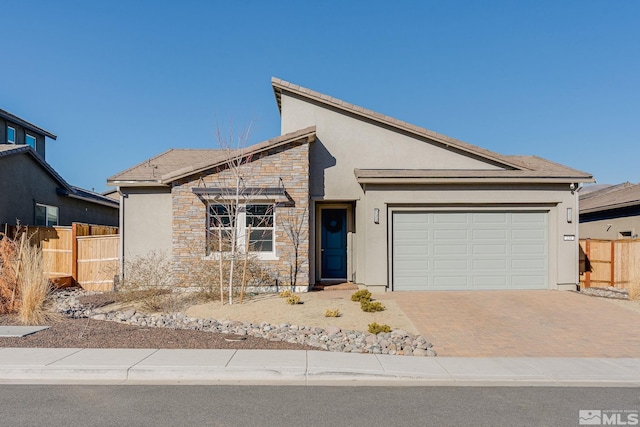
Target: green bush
361, 295
370, 306
375, 328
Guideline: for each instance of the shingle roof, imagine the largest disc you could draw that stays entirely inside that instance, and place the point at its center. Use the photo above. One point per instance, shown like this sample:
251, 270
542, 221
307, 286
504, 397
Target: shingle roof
614, 197
178, 163
25, 124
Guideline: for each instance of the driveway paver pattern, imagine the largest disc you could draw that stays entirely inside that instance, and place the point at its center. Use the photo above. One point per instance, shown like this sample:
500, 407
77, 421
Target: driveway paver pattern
521, 323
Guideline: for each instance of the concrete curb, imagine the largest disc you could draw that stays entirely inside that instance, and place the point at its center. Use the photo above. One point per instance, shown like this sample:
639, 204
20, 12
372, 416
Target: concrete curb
299, 367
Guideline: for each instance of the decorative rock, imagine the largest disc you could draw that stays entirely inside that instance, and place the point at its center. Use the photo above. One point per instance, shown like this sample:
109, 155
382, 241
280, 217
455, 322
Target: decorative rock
332, 338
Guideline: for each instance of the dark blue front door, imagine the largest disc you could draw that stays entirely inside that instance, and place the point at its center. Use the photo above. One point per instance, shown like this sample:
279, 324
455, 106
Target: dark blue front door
334, 244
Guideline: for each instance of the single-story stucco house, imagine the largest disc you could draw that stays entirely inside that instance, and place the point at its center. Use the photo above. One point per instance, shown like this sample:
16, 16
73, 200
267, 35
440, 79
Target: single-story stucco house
611, 213
382, 203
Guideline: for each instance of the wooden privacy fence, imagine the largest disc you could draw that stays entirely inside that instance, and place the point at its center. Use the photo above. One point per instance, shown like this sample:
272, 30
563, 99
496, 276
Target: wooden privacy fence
609, 263
85, 254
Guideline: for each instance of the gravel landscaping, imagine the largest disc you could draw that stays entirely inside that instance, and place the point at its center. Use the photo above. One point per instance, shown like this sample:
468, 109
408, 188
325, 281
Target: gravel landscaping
87, 323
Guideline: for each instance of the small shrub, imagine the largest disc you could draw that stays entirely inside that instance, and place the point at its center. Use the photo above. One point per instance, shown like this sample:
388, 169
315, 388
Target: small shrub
332, 312
293, 300
375, 328
370, 306
285, 294
361, 295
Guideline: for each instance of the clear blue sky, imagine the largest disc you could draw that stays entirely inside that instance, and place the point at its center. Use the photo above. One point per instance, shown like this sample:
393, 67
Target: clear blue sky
121, 81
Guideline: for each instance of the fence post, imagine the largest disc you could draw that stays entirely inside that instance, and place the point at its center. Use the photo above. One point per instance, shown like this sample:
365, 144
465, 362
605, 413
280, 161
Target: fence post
74, 253
613, 261
587, 253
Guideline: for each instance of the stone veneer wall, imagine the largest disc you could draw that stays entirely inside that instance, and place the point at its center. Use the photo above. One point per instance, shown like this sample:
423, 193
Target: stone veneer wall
289, 162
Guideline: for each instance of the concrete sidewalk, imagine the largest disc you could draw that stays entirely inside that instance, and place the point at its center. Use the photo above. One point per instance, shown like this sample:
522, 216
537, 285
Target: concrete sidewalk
299, 367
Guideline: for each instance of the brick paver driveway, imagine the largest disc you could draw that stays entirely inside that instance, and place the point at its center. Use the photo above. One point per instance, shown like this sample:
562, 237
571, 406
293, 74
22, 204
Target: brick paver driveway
522, 323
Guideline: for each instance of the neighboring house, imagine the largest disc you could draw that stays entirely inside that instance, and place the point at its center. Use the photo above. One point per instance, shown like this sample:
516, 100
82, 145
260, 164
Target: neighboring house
32, 192
384, 203
611, 213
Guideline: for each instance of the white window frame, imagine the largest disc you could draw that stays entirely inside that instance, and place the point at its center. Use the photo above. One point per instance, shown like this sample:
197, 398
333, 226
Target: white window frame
35, 141
14, 135
48, 208
242, 229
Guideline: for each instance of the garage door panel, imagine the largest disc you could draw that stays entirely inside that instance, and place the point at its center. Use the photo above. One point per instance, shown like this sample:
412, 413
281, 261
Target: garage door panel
450, 264
528, 282
450, 218
533, 264
489, 282
490, 264
469, 250
439, 249
451, 282
528, 249
449, 234
489, 218
528, 234
486, 249
489, 234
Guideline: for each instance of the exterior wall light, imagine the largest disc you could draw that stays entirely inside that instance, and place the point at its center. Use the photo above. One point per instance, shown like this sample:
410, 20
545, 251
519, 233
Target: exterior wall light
376, 216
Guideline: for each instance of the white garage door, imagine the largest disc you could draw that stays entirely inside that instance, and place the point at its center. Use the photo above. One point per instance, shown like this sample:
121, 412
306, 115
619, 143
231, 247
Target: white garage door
469, 250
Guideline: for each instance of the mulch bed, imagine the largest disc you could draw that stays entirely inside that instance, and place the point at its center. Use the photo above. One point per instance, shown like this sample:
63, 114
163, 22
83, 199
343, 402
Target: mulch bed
89, 333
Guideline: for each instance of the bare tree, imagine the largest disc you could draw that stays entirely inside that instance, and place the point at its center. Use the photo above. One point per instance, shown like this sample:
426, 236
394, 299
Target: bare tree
296, 230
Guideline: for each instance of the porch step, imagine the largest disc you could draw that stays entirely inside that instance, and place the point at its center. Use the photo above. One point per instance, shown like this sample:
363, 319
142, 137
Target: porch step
346, 286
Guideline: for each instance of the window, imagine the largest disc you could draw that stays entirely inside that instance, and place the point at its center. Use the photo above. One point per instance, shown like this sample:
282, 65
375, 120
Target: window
30, 140
255, 221
259, 221
46, 215
11, 135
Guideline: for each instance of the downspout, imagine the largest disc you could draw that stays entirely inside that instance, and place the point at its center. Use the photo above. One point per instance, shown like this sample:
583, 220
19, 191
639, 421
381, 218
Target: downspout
121, 224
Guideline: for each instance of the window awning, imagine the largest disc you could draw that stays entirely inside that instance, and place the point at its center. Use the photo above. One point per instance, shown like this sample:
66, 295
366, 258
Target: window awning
246, 193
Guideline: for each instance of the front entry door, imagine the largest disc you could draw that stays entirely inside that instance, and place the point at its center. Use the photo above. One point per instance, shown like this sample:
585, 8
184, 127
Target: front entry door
333, 244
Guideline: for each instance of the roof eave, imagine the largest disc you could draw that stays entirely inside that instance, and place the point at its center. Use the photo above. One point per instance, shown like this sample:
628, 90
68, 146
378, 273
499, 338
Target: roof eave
27, 125
467, 180
308, 134
134, 183
610, 207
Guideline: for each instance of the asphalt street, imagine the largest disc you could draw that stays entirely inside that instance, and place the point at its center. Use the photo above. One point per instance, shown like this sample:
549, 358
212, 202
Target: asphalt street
130, 405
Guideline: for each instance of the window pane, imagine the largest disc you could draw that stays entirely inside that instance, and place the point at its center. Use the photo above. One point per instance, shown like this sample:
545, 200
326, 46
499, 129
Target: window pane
261, 241
52, 216
31, 141
219, 216
259, 216
11, 135
41, 215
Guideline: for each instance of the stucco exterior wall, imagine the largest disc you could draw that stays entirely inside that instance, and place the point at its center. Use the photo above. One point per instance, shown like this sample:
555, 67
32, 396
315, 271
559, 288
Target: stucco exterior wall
145, 221
288, 163
345, 142
361, 144
374, 251
610, 229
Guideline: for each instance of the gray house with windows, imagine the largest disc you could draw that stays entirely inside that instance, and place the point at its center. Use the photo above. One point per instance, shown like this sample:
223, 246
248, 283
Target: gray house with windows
380, 202
32, 192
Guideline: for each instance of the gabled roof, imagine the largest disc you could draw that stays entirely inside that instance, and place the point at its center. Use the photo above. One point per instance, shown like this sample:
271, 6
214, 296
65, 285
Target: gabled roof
7, 150
609, 198
175, 164
25, 124
10, 150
